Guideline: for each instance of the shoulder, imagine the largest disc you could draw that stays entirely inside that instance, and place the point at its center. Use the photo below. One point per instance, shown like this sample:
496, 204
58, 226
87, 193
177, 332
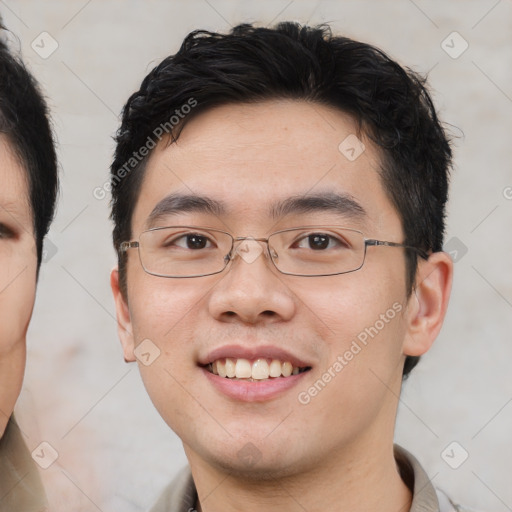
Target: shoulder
20, 484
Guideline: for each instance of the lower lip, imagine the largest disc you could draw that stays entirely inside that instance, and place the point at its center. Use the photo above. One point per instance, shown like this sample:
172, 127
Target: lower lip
258, 391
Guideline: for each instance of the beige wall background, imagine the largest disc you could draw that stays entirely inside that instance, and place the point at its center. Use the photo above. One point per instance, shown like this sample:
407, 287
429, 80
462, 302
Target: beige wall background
114, 452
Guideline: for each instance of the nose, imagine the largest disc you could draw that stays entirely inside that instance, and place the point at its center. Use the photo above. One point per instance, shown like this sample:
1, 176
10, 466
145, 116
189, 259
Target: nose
252, 290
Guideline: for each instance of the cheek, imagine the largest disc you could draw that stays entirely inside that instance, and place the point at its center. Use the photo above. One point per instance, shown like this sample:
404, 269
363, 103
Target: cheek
164, 312
362, 330
167, 312
18, 288
160, 307
345, 305
360, 321
170, 313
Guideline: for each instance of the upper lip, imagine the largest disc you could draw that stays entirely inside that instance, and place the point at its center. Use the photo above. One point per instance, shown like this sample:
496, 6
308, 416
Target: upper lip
251, 353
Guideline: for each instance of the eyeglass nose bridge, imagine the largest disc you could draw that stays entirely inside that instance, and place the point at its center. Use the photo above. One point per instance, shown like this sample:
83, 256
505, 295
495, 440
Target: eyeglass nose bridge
250, 252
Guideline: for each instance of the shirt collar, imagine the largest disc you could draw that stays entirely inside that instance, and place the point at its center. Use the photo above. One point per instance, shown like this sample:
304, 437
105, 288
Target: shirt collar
424, 497
181, 496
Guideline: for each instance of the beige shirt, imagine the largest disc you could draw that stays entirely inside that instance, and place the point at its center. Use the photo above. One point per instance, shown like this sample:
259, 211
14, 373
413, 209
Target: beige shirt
20, 486
181, 495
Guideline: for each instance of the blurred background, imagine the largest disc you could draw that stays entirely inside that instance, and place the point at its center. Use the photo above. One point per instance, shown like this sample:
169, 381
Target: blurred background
114, 451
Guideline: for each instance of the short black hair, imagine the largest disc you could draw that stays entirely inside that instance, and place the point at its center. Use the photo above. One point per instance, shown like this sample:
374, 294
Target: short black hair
390, 104
24, 121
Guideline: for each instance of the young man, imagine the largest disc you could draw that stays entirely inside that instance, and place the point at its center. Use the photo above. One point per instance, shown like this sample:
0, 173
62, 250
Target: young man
285, 191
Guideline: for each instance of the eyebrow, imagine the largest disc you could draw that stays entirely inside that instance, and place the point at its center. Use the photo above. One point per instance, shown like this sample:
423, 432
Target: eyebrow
174, 204
13, 211
340, 204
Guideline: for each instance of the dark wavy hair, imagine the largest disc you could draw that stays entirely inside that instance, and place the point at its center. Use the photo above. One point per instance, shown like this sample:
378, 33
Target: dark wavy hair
24, 121
390, 105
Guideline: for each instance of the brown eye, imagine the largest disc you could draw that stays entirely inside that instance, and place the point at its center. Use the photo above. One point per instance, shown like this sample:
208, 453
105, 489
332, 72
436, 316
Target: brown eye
193, 241
320, 242
6, 232
196, 241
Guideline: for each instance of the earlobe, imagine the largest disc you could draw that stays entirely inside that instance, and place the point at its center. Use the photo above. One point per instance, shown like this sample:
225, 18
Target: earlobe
428, 303
124, 325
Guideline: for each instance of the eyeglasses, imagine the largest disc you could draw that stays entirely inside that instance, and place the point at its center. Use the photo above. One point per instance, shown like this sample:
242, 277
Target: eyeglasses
311, 251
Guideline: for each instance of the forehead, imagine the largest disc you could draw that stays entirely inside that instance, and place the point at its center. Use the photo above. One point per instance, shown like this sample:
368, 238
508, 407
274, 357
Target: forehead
14, 190
252, 157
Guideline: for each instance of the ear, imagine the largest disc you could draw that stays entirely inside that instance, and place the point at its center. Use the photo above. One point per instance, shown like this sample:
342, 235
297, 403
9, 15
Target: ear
428, 303
124, 323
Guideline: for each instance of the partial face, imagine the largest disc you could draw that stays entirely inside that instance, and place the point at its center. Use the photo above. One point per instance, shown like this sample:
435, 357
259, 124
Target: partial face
250, 158
18, 264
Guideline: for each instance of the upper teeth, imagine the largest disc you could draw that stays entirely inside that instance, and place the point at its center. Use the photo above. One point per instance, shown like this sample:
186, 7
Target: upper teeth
259, 369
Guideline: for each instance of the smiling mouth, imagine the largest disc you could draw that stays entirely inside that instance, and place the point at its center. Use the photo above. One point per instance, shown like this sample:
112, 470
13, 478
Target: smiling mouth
253, 371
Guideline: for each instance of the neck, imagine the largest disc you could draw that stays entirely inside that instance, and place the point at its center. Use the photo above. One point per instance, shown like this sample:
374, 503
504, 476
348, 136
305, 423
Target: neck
355, 481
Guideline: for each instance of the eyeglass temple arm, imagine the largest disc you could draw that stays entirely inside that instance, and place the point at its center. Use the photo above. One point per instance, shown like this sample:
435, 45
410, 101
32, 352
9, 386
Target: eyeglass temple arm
128, 245
421, 252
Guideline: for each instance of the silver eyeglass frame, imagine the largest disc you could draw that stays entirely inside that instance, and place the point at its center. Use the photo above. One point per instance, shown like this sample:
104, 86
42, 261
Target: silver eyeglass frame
368, 242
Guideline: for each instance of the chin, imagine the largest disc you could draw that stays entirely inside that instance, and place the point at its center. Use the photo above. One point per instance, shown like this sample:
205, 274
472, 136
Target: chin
250, 463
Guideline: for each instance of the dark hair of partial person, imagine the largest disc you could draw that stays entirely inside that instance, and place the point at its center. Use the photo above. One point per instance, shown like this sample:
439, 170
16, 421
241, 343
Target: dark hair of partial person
24, 122
391, 106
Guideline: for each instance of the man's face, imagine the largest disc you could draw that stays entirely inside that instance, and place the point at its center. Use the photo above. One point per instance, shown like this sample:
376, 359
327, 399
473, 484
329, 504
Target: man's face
250, 157
18, 266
